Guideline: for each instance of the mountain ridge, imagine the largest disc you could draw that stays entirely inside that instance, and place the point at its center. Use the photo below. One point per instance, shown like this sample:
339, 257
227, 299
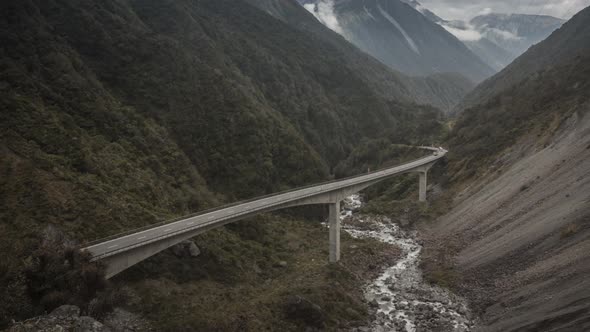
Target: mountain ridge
559, 48
443, 90
400, 36
497, 38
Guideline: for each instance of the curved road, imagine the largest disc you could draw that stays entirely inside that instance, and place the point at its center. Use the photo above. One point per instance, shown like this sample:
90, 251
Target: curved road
190, 224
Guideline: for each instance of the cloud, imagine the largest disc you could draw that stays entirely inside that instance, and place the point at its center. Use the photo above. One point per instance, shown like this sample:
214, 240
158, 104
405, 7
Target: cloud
324, 11
486, 11
502, 34
467, 34
467, 9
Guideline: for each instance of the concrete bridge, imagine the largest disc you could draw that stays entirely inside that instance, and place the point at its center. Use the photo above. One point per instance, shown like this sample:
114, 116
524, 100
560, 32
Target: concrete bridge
123, 251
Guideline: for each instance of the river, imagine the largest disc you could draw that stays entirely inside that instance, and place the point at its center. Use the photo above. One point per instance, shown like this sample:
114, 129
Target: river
403, 301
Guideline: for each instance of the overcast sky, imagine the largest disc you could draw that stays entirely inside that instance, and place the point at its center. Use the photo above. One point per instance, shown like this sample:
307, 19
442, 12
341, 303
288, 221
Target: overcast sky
467, 9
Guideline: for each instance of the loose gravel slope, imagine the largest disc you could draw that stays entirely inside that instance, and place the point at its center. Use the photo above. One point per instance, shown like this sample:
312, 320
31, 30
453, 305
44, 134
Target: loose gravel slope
521, 236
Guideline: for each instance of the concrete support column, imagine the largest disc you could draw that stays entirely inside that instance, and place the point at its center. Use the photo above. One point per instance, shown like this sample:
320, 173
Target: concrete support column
334, 221
422, 194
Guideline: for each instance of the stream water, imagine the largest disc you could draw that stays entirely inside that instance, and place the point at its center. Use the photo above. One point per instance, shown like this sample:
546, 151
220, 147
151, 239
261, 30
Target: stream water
402, 299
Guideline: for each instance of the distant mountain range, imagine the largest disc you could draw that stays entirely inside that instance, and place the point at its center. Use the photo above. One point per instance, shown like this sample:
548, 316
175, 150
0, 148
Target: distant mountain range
567, 48
516, 32
497, 39
400, 36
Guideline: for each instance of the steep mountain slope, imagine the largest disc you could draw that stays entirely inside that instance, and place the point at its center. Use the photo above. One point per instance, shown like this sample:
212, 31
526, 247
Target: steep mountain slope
399, 36
494, 55
561, 48
443, 91
116, 114
423, 10
516, 238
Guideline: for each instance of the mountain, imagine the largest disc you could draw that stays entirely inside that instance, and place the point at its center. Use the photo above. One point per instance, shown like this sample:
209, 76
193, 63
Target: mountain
423, 10
560, 49
490, 52
497, 39
443, 90
516, 237
515, 32
399, 36
500, 38
118, 114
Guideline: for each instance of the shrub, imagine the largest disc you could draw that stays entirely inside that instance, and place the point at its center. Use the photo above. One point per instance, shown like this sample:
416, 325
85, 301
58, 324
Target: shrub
57, 274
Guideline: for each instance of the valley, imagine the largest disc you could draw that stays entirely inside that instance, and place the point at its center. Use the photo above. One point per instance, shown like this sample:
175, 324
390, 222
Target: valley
294, 165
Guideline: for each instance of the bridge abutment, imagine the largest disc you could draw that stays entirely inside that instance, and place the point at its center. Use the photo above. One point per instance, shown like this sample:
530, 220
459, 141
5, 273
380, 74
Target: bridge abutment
334, 222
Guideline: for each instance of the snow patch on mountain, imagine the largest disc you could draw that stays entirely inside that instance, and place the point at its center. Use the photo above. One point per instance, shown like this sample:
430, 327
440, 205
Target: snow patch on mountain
399, 27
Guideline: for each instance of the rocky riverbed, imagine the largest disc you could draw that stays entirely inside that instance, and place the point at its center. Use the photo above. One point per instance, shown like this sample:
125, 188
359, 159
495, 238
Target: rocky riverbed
402, 300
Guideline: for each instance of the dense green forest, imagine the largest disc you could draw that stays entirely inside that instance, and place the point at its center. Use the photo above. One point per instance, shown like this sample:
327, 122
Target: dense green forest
120, 113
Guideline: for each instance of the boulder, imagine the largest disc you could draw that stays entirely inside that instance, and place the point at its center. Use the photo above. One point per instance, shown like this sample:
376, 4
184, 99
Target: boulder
68, 311
186, 248
89, 324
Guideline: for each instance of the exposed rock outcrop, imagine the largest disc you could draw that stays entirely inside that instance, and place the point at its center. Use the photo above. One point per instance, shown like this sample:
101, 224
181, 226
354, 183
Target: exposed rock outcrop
186, 248
67, 318
64, 318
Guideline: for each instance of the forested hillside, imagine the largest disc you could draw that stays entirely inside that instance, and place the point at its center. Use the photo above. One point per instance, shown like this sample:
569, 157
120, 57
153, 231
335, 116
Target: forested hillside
442, 90
120, 113
400, 37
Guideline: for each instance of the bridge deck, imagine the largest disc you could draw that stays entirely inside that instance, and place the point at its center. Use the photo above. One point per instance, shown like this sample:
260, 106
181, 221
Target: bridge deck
115, 245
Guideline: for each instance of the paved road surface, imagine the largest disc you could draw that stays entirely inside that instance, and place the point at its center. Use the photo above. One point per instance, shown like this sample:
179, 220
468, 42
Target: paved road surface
125, 242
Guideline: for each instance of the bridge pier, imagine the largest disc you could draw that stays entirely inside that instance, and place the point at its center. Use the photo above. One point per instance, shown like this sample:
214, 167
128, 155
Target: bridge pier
423, 179
334, 222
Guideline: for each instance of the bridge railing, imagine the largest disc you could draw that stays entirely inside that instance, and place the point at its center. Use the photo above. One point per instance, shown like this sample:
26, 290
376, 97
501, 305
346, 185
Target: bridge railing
202, 212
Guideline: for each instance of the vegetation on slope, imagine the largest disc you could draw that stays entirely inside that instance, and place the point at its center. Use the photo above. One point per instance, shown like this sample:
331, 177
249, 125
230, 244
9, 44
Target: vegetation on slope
444, 90
117, 114
559, 49
536, 107
269, 273
529, 98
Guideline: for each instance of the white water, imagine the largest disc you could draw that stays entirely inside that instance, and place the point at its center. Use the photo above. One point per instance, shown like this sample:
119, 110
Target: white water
403, 301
